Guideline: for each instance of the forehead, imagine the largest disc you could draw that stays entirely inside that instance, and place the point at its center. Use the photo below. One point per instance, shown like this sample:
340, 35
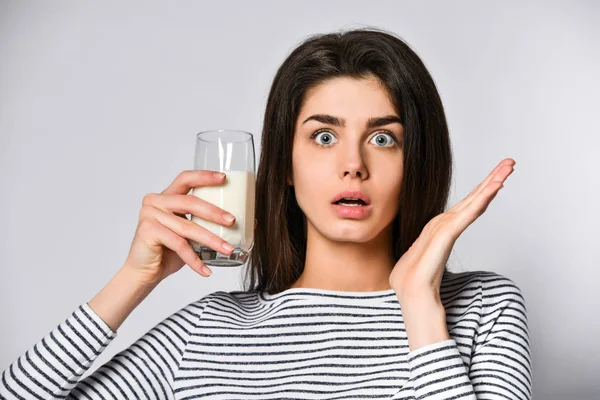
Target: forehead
349, 97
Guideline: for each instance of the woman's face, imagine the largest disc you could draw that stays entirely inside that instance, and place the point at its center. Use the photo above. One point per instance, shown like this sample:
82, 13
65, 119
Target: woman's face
330, 157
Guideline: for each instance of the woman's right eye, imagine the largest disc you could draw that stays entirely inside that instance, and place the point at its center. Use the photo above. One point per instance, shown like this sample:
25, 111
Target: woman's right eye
324, 135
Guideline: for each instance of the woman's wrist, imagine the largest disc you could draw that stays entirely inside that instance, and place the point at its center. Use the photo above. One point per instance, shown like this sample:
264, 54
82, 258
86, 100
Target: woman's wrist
424, 319
117, 300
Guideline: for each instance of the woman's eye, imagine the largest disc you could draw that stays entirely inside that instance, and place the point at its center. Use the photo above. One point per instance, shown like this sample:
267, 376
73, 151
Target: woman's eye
325, 135
380, 140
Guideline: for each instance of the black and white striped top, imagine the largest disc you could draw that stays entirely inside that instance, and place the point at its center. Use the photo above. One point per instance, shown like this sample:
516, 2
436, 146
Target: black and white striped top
297, 344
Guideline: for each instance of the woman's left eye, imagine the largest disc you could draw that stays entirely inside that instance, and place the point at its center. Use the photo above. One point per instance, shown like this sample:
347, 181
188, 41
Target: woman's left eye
380, 135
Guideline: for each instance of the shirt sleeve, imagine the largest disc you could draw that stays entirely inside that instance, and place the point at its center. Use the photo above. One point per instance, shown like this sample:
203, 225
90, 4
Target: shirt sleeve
52, 369
500, 365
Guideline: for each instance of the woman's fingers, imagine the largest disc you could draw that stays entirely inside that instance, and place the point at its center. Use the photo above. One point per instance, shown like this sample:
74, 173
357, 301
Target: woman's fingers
474, 209
187, 229
181, 204
189, 179
499, 173
161, 235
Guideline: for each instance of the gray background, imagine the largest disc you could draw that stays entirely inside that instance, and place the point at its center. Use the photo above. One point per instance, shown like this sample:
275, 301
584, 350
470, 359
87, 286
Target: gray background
100, 102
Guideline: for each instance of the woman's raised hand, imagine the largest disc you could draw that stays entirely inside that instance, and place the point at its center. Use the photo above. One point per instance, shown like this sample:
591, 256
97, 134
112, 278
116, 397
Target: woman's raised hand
418, 273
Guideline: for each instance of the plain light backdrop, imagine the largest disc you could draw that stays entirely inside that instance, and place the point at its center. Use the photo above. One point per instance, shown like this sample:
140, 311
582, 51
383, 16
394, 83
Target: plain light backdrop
100, 103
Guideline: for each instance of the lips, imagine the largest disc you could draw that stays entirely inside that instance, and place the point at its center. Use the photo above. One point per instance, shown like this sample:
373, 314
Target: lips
353, 212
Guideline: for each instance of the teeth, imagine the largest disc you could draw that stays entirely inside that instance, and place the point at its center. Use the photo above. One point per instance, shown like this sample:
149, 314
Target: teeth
350, 205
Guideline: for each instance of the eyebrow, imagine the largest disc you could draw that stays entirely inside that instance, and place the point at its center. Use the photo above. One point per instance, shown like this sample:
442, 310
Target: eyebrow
371, 123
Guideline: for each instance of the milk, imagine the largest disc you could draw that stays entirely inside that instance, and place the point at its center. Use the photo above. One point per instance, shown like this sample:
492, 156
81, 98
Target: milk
236, 196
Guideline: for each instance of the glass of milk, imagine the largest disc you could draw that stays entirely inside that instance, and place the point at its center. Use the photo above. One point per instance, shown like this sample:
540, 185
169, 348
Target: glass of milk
231, 152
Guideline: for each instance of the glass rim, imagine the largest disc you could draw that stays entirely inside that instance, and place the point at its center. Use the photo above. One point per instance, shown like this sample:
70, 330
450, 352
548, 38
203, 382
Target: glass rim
248, 135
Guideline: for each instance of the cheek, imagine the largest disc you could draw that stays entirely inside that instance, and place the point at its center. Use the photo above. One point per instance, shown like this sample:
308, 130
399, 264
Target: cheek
391, 194
310, 172
312, 184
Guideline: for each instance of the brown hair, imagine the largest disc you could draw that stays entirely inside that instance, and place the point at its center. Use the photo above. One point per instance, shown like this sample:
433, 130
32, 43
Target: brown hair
278, 254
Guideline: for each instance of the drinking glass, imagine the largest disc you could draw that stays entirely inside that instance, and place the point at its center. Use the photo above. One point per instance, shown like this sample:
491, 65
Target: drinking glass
232, 152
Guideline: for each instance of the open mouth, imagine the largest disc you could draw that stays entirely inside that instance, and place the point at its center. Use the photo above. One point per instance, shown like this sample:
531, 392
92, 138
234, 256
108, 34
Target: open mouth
350, 203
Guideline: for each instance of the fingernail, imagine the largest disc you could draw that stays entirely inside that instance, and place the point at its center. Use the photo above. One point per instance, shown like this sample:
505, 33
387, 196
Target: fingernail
206, 270
219, 175
228, 218
227, 246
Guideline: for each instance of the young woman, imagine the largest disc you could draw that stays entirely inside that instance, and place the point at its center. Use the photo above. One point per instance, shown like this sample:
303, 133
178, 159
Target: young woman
349, 296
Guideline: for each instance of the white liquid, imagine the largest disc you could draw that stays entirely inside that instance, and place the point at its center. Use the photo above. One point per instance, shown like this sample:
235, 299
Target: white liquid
236, 196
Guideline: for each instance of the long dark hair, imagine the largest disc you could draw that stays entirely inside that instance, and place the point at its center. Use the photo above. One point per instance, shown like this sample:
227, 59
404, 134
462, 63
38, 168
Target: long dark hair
279, 250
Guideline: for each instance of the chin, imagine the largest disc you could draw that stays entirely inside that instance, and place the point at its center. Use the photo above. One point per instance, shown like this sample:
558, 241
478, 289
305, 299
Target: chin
351, 231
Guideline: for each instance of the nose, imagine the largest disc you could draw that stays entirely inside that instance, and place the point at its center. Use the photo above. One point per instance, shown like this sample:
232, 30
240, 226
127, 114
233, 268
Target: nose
353, 162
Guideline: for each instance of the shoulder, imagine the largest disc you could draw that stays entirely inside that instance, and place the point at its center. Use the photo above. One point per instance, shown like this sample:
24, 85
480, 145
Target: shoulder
491, 289
222, 301
491, 283
190, 314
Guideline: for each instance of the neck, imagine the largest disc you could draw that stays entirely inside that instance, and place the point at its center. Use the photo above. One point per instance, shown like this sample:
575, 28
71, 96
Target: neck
347, 266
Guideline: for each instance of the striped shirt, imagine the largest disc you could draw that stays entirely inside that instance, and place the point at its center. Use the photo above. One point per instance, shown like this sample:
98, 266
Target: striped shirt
297, 344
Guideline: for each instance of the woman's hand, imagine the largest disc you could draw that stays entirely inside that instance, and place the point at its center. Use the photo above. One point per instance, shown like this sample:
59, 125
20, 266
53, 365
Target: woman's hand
418, 273
160, 246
